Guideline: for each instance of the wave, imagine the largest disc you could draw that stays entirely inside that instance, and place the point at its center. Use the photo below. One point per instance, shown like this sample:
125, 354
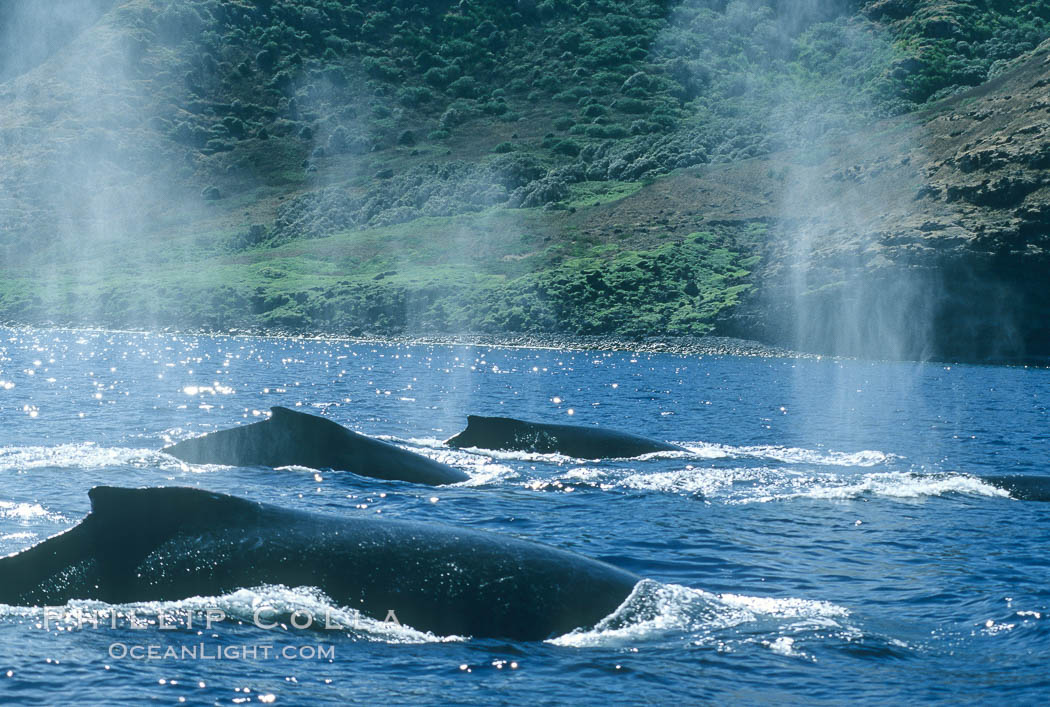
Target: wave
792, 455
696, 450
690, 481
83, 455
738, 484
654, 611
274, 608
741, 485
480, 465
17, 536
698, 482
26, 511
89, 455
899, 485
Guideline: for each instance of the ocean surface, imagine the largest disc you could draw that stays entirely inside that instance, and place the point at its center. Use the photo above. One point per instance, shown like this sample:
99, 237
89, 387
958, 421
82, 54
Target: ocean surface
826, 540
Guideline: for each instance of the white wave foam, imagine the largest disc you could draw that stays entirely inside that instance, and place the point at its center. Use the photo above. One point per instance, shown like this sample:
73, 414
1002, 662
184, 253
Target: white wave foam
83, 455
26, 511
786, 608
900, 485
578, 477
269, 607
428, 442
785, 646
794, 455
654, 610
741, 485
790, 455
17, 536
486, 473
519, 456
559, 459
704, 482
479, 464
696, 450
691, 481
446, 456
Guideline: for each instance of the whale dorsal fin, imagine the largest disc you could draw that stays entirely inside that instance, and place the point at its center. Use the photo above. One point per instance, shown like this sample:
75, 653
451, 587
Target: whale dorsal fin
105, 499
164, 506
123, 527
128, 523
307, 423
490, 420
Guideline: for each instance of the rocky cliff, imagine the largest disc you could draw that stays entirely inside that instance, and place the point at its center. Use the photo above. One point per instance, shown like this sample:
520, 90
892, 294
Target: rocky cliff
924, 237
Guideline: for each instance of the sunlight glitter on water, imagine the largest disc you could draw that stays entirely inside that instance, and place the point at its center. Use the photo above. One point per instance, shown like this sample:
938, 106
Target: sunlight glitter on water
802, 550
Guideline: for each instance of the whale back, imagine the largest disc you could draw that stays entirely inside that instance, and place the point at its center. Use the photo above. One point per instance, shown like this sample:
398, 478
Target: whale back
134, 521
166, 544
506, 433
94, 558
1022, 487
291, 438
285, 438
491, 433
51, 572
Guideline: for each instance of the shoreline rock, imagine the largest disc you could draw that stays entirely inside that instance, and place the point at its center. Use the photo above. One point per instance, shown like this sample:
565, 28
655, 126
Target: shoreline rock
676, 346
680, 346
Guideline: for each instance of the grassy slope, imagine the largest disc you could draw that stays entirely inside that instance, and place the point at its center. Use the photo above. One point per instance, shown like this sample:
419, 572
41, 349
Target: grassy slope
427, 275
441, 166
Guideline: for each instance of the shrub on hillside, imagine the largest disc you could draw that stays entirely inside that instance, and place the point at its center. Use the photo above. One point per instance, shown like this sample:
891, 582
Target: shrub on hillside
464, 87
570, 148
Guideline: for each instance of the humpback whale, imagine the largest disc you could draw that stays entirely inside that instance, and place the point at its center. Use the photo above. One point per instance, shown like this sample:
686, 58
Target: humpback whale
289, 438
506, 433
1023, 488
170, 543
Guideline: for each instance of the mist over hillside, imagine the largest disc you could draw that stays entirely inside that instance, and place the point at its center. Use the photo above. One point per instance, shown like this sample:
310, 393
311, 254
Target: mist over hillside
812, 173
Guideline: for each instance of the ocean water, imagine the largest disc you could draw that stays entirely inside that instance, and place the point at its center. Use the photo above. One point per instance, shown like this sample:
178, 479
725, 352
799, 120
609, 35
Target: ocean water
827, 538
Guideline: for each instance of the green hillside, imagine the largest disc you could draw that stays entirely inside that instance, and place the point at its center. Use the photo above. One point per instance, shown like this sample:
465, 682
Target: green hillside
444, 166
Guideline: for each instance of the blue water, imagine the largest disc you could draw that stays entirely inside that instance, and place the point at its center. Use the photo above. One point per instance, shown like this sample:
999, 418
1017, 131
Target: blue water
825, 541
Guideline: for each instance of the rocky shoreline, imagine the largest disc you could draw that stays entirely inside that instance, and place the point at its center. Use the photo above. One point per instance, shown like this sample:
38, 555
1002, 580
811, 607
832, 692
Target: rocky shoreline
679, 346
674, 345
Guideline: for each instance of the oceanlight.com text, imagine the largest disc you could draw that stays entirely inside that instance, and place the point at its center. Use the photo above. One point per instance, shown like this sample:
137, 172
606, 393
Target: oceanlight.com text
206, 651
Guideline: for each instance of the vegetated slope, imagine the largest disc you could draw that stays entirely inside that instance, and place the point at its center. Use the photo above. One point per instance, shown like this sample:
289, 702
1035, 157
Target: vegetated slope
408, 166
